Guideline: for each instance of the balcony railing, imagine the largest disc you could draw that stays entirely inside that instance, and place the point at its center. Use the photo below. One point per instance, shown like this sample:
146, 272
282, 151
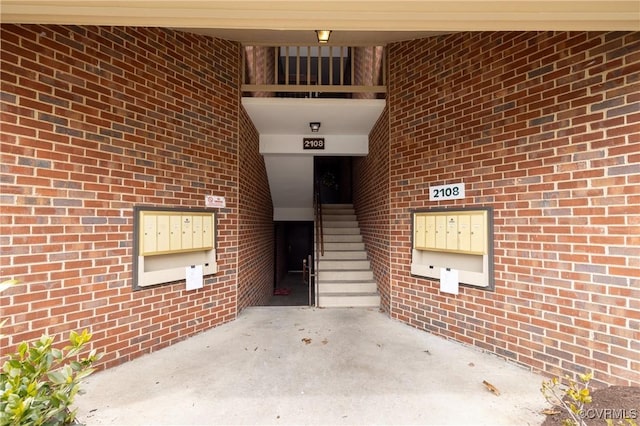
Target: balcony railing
314, 71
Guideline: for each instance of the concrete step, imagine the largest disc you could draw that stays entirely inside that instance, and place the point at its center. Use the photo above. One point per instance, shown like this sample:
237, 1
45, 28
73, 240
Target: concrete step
347, 300
340, 224
343, 264
340, 231
347, 287
349, 238
344, 275
338, 213
344, 254
343, 246
337, 217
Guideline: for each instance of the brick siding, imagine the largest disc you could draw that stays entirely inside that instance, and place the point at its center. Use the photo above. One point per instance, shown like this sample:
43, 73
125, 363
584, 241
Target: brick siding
255, 226
260, 68
544, 128
94, 121
371, 202
367, 65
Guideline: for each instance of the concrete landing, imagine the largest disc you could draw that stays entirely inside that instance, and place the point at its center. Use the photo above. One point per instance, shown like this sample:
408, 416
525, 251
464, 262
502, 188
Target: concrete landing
357, 367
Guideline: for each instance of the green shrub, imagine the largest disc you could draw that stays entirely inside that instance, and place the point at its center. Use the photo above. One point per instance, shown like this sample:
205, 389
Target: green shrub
39, 382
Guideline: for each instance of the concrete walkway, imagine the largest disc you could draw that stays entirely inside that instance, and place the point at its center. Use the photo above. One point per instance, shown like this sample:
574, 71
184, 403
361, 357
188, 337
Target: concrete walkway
358, 367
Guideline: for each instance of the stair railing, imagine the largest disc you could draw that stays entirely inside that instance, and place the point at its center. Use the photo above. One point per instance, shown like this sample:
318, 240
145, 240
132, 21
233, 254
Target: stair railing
317, 207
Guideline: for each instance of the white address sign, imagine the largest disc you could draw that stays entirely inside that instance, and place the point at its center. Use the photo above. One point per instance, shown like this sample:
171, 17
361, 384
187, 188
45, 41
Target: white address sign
454, 191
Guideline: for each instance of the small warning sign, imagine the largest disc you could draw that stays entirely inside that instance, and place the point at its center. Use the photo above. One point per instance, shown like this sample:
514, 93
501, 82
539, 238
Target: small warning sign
215, 201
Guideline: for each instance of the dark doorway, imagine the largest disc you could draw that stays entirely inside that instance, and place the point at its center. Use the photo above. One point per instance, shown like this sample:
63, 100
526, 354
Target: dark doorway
299, 240
333, 177
294, 243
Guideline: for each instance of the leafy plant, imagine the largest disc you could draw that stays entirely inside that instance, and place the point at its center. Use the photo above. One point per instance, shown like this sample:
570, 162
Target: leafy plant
39, 382
572, 397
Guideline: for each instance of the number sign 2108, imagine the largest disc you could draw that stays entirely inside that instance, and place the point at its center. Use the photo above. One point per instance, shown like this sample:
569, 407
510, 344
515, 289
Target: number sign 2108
313, 143
453, 191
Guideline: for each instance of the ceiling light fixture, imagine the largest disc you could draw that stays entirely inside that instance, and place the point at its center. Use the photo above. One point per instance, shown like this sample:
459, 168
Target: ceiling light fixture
315, 127
323, 36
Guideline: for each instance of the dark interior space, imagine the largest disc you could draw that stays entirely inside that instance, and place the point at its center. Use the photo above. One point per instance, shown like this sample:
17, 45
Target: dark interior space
293, 245
333, 179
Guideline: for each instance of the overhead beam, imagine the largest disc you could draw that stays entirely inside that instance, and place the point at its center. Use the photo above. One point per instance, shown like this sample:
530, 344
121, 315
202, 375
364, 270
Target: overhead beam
364, 15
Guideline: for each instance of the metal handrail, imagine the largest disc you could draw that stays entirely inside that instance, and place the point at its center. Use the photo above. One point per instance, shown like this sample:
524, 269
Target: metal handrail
318, 219
317, 207
317, 204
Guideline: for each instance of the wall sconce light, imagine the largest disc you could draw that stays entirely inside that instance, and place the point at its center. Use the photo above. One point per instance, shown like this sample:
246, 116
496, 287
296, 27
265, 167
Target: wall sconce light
323, 36
314, 127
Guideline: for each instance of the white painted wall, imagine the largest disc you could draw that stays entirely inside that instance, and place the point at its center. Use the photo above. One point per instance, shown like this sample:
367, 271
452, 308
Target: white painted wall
291, 185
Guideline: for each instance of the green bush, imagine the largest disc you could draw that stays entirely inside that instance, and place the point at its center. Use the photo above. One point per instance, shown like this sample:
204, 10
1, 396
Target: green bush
39, 382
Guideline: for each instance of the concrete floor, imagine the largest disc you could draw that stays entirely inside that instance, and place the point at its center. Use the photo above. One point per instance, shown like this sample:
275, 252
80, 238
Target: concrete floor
358, 367
298, 291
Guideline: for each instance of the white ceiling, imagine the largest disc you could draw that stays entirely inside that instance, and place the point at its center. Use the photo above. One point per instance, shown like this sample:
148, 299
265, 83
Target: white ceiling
291, 116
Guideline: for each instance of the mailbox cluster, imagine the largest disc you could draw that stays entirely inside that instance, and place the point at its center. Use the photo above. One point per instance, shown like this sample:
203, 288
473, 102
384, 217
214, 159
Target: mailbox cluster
170, 240
461, 232
166, 232
459, 240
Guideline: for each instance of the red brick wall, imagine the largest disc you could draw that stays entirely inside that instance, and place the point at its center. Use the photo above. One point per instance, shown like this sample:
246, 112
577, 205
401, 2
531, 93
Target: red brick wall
95, 121
367, 64
544, 128
255, 226
260, 68
371, 201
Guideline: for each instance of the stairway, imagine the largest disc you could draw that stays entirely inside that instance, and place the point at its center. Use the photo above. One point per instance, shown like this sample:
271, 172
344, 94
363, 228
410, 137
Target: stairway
345, 277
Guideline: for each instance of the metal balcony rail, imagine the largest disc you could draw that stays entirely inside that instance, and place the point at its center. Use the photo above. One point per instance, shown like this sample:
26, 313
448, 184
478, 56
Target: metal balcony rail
314, 71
